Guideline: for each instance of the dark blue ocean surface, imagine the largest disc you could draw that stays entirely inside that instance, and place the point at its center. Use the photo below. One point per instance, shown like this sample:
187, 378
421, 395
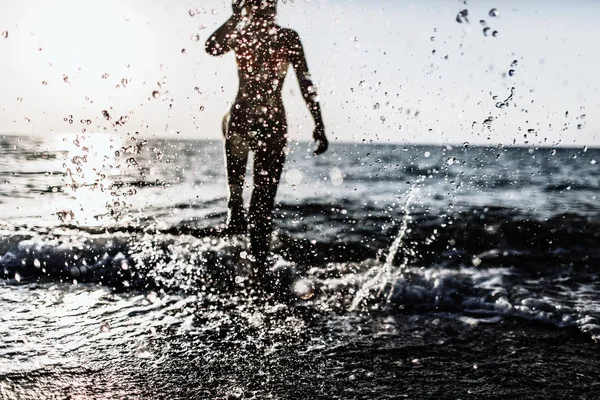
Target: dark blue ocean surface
104, 250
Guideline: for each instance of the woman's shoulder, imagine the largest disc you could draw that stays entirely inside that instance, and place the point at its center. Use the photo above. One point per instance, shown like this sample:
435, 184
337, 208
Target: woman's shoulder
287, 34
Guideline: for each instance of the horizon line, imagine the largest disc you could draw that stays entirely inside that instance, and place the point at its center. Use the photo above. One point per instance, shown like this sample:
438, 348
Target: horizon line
380, 143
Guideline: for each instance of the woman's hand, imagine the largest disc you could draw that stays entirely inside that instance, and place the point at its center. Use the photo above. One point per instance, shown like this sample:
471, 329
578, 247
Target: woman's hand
238, 6
321, 139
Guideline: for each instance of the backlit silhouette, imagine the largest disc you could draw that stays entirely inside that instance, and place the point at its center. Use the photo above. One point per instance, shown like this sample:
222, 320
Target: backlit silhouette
256, 121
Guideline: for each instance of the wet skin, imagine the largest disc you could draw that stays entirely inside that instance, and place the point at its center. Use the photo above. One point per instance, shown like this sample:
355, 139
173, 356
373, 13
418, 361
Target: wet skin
256, 121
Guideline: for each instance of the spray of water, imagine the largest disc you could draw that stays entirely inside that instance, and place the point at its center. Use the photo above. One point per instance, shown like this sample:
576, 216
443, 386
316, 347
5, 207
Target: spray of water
387, 275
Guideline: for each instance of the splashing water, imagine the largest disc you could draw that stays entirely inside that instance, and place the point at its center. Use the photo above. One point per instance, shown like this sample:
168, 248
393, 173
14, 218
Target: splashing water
387, 275
506, 102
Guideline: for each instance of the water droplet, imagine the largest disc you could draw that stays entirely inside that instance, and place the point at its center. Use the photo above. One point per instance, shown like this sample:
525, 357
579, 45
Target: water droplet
462, 16
17, 277
486, 30
294, 177
514, 63
195, 38
65, 78
494, 12
44, 83
495, 33
156, 94
506, 102
214, 12
336, 176
19, 99
122, 120
511, 72
104, 328
305, 289
106, 115
482, 22
131, 161
201, 108
4, 34
182, 51
376, 106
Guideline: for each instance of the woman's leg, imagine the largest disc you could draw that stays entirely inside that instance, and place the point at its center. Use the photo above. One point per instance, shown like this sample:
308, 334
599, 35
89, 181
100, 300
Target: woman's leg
269, 158
236, 159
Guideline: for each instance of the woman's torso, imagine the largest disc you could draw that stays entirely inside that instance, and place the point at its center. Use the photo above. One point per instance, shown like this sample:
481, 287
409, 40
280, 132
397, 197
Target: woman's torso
262, 56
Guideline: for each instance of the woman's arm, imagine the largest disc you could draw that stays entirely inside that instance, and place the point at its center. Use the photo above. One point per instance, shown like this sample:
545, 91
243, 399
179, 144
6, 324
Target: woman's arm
219, 42
309, 92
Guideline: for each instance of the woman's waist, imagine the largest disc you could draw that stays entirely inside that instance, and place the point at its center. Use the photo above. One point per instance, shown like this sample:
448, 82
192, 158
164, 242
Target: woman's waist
259, 95
257, 107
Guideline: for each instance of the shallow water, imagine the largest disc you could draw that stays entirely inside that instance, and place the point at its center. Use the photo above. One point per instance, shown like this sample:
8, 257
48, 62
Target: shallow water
108, 273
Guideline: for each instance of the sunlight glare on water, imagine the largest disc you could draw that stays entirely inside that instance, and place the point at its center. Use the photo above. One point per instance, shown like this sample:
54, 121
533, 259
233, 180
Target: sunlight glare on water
90, 169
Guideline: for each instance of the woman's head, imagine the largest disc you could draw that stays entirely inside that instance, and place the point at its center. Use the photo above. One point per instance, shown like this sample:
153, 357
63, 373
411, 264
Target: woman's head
263, 9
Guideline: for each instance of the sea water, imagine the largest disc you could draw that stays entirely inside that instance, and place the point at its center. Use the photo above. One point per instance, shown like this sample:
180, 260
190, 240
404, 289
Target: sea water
104, 261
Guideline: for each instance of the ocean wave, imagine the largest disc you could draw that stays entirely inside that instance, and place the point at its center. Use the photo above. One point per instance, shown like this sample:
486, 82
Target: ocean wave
489, 261
319, 233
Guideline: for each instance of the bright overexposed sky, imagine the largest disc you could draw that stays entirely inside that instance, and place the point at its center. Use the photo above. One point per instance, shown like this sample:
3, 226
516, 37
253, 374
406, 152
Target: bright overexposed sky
373, 61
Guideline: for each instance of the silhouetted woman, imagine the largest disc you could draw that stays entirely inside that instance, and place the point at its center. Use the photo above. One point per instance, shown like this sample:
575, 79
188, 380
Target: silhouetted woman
256, 121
